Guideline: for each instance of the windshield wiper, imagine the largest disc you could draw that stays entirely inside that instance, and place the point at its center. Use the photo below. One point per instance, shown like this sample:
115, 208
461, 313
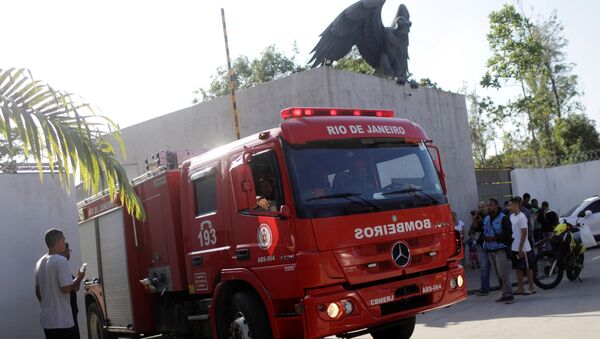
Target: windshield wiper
333, 196
347, 196
414, 190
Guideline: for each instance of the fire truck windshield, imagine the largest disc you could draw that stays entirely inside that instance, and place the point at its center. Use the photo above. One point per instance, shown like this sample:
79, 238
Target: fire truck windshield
342, 177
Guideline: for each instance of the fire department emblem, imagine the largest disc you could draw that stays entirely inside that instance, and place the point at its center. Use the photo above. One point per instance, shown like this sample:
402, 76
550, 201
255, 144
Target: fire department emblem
265, 237
401, 254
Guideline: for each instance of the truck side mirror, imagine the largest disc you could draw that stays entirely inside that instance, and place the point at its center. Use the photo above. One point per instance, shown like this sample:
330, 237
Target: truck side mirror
242, 182
437, 161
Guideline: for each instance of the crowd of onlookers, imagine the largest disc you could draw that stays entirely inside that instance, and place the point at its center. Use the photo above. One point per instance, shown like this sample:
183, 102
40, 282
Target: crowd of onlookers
502, 238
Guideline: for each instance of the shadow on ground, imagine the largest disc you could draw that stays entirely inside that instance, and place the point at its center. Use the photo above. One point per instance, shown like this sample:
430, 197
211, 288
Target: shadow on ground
568, 299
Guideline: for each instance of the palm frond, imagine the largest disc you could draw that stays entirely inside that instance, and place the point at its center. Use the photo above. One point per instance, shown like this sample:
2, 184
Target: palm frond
56, 127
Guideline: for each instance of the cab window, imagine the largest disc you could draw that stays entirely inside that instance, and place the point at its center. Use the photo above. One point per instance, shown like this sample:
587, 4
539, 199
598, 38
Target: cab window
267, 181
205, 191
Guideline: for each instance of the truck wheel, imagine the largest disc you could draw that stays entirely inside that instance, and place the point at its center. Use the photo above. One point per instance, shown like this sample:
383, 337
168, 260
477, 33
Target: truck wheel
247, 317
403, 330
95, 321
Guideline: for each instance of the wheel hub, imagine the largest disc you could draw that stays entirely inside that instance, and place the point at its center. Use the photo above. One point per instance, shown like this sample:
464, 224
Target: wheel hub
239, 329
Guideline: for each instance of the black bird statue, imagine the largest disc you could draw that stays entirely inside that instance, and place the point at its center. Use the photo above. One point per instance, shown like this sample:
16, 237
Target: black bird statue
384, 48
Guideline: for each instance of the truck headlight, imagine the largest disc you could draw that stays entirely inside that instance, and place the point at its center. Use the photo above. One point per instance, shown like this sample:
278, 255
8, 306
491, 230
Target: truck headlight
348, 307
460, 281
453, 283
334, 310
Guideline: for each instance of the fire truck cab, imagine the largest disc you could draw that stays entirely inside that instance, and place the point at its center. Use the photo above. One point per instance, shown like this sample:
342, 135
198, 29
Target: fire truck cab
334, 223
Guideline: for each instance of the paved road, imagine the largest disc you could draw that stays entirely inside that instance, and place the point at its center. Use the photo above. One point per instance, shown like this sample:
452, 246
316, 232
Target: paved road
571, 310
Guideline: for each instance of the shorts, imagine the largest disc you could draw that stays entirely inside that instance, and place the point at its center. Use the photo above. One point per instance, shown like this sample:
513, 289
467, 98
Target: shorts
522, 263
61, 333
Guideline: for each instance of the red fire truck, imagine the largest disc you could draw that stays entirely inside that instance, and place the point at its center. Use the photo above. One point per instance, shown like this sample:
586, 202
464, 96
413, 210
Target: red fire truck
334, 223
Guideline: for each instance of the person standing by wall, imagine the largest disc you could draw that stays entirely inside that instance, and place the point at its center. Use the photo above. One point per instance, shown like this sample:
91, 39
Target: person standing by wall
72, 294
497, 238
478, 216
522, 255
537, 226
526, 201
526, 209
53, 283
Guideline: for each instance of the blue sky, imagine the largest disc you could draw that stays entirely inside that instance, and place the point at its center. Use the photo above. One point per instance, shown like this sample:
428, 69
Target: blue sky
140, 59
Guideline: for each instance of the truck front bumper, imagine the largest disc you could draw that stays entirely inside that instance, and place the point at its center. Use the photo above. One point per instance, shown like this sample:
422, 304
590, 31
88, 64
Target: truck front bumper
379, 303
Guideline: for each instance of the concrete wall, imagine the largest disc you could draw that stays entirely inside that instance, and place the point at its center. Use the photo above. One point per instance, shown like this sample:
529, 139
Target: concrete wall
28, 208
442, 114
563, 187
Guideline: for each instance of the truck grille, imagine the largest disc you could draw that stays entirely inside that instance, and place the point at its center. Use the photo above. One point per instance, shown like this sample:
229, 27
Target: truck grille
369, 262
372, 250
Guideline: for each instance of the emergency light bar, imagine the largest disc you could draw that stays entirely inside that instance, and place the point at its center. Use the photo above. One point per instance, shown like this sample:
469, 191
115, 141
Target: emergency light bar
300, 112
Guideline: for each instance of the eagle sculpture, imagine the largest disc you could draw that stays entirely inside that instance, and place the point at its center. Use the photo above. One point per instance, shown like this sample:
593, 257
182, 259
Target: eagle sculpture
384, 48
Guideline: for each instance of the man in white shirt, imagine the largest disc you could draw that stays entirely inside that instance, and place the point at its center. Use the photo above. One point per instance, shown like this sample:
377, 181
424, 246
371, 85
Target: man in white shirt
53, 283
522, 255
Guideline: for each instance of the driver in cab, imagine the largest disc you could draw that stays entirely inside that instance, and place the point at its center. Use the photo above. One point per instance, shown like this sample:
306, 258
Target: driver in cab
266, 200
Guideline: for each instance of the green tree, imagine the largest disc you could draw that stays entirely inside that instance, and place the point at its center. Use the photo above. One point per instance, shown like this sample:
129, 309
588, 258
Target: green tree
482, 127
428, 83
576, 134
531, 57
516, 58
54, 127
557, 71
9, 152
353, 62
272, 64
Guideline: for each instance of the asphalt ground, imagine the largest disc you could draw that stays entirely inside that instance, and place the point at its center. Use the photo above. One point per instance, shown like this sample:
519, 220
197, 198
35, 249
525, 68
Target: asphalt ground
571, 310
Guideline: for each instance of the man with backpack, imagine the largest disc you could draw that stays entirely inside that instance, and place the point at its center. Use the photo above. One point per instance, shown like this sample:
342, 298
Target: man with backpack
497, 230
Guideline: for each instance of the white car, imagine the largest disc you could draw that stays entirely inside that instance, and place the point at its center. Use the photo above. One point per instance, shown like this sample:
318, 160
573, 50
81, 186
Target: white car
593, 221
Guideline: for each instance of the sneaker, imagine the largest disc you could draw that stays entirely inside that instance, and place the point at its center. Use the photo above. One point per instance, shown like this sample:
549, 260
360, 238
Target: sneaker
482, 293
506, 300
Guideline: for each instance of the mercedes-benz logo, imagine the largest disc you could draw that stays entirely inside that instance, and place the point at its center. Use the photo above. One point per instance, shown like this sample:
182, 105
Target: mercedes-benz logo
401, 254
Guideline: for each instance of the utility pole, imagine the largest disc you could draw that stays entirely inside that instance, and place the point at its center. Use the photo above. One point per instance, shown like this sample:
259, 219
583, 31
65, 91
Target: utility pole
231, 83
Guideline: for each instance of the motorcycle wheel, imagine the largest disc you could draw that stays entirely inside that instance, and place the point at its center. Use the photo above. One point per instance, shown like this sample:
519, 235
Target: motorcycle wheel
548, 271
576, 267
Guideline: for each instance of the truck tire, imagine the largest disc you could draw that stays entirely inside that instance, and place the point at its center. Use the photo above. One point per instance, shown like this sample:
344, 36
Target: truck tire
403, 330
246, 317
95, 321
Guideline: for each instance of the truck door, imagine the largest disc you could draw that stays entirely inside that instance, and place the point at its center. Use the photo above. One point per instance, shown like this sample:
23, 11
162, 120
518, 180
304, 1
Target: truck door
262, 235
208, 237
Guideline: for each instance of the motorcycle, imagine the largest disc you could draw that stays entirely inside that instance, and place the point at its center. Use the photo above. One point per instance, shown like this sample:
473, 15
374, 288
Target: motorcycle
561, 253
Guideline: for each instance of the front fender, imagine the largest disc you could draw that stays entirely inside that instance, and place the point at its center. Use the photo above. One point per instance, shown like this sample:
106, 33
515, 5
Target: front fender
94, 290
248, 277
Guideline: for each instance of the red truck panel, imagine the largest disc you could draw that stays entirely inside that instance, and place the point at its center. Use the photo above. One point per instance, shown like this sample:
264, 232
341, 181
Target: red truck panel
154, 244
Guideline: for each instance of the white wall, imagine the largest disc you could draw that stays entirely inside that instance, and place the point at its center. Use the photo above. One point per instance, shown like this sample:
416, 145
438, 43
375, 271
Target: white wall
28, 208
563, 187
442, 114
